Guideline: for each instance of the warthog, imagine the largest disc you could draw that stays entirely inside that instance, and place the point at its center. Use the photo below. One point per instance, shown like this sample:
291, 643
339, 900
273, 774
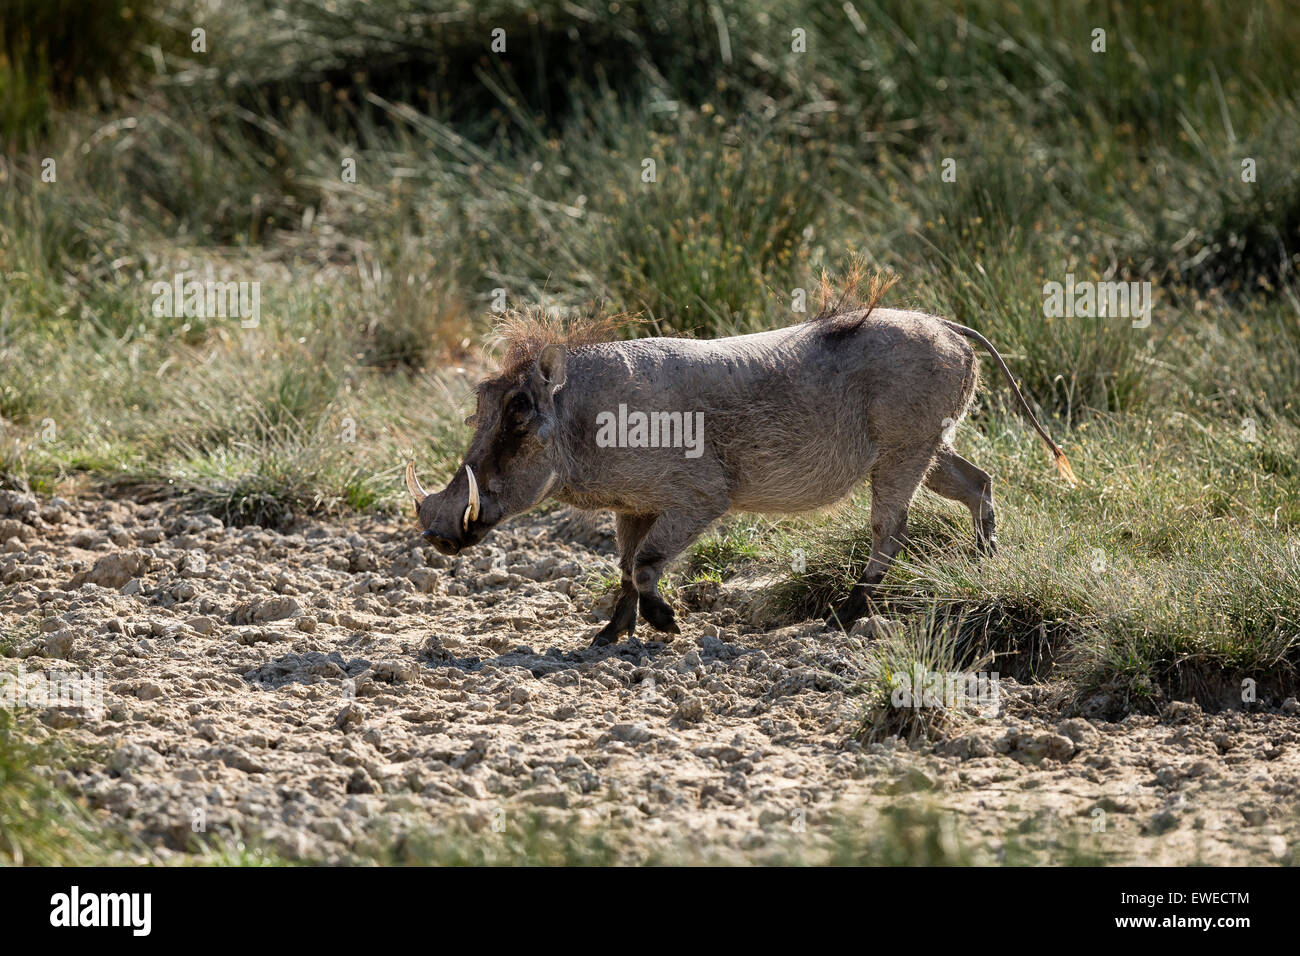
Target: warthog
793, 418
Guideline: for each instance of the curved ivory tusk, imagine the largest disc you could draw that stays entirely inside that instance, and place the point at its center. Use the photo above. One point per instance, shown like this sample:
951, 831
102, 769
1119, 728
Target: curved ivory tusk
413, 484
471, 509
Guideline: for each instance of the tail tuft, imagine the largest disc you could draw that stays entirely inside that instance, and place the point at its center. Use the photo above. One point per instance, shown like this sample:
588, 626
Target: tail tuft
1063, 466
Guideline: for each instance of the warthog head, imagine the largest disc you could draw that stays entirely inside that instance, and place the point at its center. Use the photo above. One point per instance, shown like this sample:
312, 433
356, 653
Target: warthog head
507, 468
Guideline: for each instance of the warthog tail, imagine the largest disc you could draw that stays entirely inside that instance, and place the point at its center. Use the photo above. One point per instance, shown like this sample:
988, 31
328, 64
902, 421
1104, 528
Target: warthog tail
1062, 463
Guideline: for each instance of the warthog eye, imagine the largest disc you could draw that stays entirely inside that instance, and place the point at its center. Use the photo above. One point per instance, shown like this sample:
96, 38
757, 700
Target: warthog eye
519, 409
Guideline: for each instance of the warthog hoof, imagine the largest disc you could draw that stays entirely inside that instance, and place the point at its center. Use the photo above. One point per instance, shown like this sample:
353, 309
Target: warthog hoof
622, 621
848, 612
658, 614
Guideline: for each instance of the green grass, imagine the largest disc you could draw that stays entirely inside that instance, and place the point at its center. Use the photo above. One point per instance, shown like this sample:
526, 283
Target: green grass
912, 832
40, 825
231, 850
725, 550
900, 669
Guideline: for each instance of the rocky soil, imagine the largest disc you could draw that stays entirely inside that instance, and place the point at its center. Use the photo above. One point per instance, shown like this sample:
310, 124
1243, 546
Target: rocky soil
331, 690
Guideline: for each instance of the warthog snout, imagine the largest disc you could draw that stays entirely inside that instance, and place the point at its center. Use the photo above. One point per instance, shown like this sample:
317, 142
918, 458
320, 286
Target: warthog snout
452, 519
507, 468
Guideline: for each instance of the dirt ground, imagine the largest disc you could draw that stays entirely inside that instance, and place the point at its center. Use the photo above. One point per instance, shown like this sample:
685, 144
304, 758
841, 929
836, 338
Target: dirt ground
330, 689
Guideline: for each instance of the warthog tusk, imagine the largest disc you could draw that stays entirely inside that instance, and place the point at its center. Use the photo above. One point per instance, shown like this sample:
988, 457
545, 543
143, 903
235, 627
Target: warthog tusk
413, 484
471, 509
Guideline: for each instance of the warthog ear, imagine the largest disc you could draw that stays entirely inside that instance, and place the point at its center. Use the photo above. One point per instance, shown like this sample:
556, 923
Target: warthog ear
550, 366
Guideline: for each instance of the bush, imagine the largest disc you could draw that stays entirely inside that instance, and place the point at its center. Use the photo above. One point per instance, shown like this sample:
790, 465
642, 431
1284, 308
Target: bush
53, 51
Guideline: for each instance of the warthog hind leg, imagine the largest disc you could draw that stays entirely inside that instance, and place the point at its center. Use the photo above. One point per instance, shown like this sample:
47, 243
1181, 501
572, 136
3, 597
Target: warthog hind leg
956, 478
630, 531
894, 481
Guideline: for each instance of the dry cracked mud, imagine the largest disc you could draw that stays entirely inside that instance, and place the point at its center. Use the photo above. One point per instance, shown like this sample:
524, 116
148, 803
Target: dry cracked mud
332, 689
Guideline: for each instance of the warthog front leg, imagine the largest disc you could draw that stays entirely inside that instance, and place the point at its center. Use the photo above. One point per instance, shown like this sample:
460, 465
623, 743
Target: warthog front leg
671, 533
630, 531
